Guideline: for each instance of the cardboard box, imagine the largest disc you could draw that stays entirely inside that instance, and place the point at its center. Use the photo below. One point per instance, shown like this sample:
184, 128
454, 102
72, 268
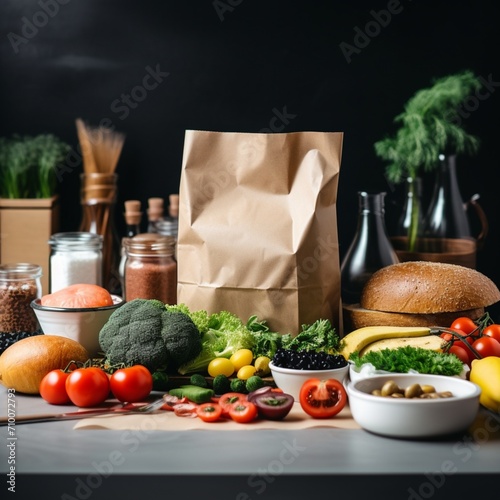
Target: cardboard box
25, 228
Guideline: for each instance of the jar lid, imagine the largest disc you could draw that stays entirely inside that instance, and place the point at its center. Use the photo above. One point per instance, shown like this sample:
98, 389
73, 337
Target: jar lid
76, 241
20, 271
167, 227
149, 244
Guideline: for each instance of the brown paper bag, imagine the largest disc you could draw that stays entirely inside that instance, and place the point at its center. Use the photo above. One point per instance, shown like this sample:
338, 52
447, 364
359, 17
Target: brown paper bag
258, 226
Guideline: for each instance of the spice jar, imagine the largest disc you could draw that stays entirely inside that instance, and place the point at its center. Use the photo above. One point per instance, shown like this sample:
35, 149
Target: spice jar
150, 268
75, 257
19, 286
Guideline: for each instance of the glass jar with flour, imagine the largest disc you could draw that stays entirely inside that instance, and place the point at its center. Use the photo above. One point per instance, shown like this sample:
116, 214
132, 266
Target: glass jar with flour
75, 257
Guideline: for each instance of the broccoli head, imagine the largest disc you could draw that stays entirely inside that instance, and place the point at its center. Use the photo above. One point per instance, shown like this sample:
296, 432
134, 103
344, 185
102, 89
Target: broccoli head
142, 331
182, 338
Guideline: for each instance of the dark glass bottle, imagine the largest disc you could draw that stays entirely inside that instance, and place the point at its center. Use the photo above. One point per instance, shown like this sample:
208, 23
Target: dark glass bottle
370, 249
446, 216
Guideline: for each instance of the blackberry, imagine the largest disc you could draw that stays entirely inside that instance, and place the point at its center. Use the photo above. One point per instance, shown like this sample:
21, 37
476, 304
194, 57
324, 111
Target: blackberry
308, 360
7, 339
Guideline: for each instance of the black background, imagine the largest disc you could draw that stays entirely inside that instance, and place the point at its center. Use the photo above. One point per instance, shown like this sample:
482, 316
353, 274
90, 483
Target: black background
230, 68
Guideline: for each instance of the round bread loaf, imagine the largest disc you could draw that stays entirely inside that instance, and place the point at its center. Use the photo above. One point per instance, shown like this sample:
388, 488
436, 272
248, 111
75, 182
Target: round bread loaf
24, 364
419, 293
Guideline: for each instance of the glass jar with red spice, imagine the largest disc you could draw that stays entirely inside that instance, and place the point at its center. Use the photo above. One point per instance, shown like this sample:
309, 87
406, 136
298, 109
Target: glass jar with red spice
150, 268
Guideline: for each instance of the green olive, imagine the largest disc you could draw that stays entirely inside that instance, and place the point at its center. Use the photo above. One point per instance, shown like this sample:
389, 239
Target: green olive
389, 388
413, 391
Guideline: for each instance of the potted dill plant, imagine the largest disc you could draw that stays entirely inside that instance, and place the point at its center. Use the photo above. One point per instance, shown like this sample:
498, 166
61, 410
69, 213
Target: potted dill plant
29, 209
430, 135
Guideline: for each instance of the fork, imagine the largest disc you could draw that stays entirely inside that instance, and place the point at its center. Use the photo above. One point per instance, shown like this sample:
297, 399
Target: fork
125, 409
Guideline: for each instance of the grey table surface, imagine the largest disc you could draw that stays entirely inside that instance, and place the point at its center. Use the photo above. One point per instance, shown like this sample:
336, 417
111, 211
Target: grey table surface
256, 464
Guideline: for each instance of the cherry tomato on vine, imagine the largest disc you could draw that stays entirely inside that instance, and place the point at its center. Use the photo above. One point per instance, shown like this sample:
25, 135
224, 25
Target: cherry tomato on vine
209, 412
53, 387
322, 398
492, 331
464, 324
460, 353
487, 346
132, 384
243, 412
87, 386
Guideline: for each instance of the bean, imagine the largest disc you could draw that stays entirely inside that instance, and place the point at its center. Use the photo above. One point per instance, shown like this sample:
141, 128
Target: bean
389, 388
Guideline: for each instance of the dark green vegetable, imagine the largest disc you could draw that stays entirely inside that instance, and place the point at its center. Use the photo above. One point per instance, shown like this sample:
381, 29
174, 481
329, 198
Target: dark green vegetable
143, 332
253, 383
221, 384
403, 359
320, 336
198, 379
193, 393
160, 381
266, 342
238, 385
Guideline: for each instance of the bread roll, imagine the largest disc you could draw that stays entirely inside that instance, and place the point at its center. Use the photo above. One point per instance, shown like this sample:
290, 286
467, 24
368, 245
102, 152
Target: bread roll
24, 364
419, 293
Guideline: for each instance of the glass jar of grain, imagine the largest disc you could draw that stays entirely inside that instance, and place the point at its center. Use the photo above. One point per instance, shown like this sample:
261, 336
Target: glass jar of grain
19, 286
150, 268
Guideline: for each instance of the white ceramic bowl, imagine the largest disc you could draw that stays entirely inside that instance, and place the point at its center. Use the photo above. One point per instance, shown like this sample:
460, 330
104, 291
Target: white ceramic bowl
414, 418
80, 324
290, 381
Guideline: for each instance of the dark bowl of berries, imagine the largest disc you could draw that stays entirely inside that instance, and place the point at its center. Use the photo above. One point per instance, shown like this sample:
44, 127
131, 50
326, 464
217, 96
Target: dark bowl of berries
291, 368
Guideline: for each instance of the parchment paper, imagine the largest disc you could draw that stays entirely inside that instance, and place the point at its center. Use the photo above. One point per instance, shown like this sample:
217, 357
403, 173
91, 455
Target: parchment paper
168, 421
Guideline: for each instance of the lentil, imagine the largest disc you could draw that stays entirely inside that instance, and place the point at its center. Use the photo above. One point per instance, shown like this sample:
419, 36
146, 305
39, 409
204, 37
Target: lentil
19, 286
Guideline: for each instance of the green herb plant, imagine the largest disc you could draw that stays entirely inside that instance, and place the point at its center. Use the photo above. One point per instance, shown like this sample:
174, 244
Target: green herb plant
429, 126
28, 165
406, 358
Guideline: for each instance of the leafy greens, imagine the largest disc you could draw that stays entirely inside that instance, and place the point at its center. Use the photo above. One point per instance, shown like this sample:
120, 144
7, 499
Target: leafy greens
404, 359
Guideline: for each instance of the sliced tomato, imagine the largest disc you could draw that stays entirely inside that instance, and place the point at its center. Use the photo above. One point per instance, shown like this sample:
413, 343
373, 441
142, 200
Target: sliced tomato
243, 412
228, 399
209, 412
322, 398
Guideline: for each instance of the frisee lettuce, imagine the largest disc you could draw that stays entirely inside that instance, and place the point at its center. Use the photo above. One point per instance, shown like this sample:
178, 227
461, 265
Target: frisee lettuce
403, 359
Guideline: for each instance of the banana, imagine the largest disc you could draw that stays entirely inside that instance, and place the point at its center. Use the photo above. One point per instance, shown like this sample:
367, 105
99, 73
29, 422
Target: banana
357, 339
486, 374
432, 342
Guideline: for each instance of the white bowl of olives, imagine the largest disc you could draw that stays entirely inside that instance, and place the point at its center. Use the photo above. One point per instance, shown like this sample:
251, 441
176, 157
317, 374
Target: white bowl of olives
413, 405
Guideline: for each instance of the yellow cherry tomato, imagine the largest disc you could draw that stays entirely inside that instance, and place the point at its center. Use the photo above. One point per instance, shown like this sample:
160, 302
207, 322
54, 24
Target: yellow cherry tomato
241, 358
245, 372
220, 366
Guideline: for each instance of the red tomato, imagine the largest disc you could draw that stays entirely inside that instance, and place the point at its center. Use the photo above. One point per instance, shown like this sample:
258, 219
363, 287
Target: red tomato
492, 331
322, 398
87, 386
487, 346
209, 412
53, 387
460, 353
132, 384
243, 412
228, 399
464, 324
